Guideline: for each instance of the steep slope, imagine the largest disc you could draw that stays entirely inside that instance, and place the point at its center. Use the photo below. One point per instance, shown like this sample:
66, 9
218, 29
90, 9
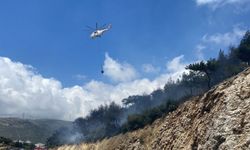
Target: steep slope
219, 119
33, 130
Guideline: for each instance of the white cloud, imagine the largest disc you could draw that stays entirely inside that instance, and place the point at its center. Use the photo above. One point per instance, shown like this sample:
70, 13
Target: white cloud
225, 39
149, 68
80, 77
218, 3
24, 91
199, 51
176, 65
118, 72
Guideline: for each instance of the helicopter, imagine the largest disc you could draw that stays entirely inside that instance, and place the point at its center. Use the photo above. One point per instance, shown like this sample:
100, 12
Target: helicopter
98, 32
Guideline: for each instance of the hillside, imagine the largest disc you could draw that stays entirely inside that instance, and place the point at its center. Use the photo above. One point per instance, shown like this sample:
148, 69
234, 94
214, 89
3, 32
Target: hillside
219, 119
33, 130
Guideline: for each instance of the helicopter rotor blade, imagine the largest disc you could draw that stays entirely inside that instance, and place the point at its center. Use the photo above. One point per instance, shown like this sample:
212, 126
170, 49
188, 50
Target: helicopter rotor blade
103, 26
87, 30
90, 28
96, 26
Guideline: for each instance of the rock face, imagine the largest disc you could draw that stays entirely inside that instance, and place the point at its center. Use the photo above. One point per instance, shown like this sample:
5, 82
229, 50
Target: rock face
219, 119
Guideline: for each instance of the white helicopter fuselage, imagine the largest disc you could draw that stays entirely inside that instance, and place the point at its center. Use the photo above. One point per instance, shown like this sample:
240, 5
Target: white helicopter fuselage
99, 32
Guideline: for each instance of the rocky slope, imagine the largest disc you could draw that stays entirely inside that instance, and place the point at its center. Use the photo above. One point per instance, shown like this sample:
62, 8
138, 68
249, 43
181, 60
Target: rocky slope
219, 119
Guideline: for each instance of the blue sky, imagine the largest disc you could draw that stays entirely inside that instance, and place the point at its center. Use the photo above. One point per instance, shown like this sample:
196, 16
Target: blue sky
147, 37
50, 35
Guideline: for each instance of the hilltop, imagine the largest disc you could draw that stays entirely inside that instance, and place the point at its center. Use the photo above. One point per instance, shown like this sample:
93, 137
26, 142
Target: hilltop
218, 119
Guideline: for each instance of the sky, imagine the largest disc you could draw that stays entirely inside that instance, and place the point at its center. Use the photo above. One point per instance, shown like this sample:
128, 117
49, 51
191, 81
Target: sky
51, 68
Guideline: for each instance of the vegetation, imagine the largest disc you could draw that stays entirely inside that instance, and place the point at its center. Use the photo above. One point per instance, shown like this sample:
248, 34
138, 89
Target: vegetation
136, 121
5, 141
37, 131
208, 68
15, 145
244, 48
100, 123
139, 111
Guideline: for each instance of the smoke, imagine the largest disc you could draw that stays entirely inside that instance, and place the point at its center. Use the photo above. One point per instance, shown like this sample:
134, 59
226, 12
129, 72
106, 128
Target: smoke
74, 138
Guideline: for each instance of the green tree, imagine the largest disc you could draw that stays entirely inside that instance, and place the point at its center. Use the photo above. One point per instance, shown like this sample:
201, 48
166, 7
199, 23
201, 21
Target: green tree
222, 58
244, 48
193, 82
207, 68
